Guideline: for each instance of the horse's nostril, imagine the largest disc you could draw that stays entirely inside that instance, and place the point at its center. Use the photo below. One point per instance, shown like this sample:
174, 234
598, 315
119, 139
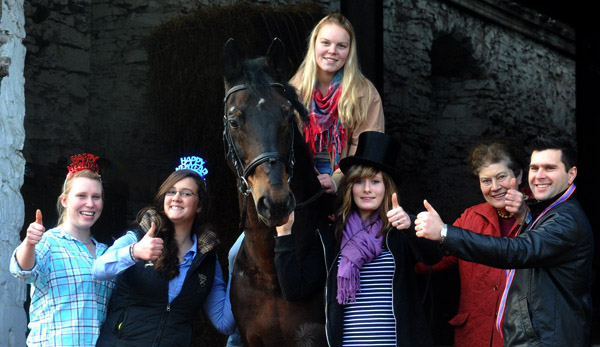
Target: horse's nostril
263, 207
273, 211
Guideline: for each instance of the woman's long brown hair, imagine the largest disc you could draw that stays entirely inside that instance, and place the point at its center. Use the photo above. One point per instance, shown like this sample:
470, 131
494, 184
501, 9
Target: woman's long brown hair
346, 203
168, 262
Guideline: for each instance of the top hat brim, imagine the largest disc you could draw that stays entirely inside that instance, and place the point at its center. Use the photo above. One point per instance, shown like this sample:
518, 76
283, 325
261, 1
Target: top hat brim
348, 162
377, 150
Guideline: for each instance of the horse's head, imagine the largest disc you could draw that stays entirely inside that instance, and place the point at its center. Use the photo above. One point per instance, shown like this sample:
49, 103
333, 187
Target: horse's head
258, 130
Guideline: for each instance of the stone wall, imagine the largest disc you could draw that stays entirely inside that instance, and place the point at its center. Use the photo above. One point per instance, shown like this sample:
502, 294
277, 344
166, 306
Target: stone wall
12, 164
449, 78
452, 78
86, 80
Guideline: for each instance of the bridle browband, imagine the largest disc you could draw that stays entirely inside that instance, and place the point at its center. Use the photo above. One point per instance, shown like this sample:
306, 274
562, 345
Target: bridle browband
271, 157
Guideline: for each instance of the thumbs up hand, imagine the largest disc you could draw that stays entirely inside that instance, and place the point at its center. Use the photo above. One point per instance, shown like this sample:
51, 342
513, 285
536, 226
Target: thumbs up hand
514, 202
149, 247
428, 223
26, 251
35, 230
397, 216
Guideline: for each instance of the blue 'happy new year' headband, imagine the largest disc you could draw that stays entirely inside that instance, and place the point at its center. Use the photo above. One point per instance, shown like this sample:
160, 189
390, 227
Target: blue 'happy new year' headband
193, 163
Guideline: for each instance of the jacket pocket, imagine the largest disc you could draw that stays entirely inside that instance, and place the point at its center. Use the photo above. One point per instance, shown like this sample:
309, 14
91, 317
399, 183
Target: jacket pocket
120, 324
528, 331
459, 320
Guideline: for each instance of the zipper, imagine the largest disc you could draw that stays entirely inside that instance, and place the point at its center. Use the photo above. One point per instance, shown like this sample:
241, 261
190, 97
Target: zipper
387, 242
326, 286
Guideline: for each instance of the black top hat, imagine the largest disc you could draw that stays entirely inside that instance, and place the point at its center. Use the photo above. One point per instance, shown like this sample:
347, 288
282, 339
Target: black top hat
374, 149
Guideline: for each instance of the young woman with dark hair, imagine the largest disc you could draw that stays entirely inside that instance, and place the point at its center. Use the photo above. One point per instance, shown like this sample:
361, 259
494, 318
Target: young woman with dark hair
167, 269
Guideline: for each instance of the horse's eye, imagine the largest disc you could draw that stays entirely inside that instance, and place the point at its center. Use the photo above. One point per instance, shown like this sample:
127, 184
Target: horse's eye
234, 118
233, 123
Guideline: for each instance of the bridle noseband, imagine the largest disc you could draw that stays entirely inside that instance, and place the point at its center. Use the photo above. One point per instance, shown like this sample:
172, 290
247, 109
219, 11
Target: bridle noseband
271, 157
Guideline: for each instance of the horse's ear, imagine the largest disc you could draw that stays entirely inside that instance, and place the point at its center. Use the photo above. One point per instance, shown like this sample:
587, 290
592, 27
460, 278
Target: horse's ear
276, 59
232, 61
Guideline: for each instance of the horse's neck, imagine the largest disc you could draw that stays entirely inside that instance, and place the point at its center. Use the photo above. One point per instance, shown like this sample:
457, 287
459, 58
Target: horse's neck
305, 183
259, 241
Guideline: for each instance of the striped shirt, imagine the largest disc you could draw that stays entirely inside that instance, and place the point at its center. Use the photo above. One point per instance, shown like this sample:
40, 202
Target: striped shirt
68, 305
370, 320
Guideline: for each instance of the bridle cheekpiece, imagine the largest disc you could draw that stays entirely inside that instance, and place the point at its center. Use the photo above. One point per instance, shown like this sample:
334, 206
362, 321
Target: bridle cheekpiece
231, 152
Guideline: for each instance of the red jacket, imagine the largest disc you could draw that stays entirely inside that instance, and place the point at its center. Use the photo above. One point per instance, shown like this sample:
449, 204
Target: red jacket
481, 286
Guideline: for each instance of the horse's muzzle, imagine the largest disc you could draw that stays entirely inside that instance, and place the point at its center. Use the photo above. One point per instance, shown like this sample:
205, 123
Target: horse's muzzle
274, 210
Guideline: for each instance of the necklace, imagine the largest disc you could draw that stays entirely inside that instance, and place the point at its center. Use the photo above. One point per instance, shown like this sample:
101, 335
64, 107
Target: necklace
502, 215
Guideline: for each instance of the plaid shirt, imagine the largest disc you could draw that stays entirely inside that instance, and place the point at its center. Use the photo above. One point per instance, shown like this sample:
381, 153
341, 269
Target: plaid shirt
68, 305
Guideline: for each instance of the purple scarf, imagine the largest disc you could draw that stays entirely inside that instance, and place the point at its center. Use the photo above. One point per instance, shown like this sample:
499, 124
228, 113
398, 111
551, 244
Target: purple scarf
360, 245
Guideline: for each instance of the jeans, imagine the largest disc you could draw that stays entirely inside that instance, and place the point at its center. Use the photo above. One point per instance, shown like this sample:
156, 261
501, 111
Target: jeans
324, 167
234, 340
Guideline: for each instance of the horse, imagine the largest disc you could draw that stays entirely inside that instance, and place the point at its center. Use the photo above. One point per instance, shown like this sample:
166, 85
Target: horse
273, 166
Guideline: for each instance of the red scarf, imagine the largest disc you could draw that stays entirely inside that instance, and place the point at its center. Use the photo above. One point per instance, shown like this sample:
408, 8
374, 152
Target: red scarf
324, 131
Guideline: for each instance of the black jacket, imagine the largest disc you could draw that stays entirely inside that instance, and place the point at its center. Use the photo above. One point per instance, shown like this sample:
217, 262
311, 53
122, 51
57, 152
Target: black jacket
549, 302
301, 277
139, 312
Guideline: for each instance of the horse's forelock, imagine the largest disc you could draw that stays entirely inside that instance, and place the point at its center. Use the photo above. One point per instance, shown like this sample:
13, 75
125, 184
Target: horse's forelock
257, 80
258, 83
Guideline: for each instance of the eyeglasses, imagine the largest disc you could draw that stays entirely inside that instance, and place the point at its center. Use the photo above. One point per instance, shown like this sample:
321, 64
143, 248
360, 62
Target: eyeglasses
185, 193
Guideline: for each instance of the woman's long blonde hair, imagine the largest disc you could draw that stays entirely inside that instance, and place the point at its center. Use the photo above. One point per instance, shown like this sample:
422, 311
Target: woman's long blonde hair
346, 203
352, 108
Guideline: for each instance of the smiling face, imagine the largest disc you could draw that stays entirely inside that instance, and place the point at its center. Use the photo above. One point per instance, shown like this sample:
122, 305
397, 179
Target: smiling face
182, 206
331, 49
494, 181
548, 175
83, 204
368, 193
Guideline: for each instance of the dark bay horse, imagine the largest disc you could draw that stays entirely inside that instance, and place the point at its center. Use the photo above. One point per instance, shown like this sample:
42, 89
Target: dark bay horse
273, 166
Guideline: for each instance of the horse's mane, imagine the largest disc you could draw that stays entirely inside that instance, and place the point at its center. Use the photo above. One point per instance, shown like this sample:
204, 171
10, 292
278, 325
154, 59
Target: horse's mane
258, 79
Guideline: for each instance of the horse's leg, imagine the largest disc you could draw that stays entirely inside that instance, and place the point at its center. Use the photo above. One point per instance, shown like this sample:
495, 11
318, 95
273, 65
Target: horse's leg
303, 323
253, 302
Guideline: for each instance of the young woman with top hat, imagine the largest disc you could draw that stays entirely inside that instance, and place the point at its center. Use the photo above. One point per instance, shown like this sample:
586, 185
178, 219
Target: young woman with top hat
167, 269
68, 305
371, 293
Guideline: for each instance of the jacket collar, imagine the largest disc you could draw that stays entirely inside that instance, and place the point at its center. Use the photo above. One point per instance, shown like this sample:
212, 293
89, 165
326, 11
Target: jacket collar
537, 207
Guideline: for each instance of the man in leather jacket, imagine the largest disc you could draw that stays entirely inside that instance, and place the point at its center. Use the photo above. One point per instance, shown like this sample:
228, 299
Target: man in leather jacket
547, 300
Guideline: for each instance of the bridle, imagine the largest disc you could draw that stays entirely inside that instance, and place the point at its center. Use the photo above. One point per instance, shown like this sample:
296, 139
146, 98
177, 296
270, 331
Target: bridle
242, 172
231, 152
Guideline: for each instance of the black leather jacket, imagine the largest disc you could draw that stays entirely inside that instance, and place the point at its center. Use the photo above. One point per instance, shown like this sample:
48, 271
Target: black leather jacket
549, 302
